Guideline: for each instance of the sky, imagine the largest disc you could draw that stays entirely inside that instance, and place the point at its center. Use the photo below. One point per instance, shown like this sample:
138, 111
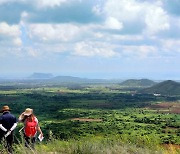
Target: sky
91, 38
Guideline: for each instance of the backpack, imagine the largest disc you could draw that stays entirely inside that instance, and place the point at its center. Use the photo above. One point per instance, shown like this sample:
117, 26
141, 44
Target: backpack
30, 127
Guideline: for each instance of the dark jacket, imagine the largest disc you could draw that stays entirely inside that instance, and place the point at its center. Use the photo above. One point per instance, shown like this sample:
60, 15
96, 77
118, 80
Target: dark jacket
7, 120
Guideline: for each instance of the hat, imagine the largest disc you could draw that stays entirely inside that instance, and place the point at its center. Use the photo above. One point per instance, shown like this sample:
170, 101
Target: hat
28, 112
5, 108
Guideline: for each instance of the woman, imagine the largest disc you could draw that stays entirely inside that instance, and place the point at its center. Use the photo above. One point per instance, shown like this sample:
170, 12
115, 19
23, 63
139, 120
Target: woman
31, 127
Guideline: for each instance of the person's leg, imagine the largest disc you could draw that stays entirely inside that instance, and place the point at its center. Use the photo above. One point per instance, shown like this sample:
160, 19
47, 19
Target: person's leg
2, 144
9, 140
33, 140
1, 134
27, 141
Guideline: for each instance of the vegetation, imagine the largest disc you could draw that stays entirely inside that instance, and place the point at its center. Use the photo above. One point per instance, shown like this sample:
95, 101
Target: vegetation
138, 83
166, 88
97, 145
84, 118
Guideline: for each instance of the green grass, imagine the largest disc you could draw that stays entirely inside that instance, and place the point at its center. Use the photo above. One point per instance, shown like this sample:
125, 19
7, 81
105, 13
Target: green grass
97, 145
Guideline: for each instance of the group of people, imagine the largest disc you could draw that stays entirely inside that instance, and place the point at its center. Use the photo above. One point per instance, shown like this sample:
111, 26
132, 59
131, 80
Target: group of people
8, 123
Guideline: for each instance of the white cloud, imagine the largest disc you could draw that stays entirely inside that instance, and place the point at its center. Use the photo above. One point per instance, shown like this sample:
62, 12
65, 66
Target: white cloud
86, 39
24, 14
10, 34
113, 23
56, 32
127, 37
17, 41
141, 51
170, 45
6, 29
49, 3
89, 49
156, 19
122, 9
37, 3
151, 14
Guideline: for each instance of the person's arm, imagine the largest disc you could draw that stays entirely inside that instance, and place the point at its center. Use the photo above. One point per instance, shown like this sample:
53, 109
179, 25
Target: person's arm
2, 128
39, 128
40, 131
21, 117
12, 128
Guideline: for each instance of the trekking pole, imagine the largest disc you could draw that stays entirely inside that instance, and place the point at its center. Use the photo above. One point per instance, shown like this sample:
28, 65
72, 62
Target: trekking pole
21, 129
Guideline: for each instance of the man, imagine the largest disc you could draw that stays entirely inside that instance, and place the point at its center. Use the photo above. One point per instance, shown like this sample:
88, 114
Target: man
8, 123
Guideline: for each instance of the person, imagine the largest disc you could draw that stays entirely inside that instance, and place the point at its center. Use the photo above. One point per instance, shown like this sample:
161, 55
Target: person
8, 123
31, 127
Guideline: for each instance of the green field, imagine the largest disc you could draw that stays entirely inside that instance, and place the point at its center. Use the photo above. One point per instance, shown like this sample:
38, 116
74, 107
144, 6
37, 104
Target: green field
98, 111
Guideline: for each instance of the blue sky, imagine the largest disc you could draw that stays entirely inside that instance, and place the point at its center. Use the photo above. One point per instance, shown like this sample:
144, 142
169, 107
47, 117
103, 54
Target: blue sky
91, 38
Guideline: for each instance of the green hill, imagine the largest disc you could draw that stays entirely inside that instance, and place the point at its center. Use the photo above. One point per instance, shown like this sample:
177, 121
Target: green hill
168, 87
138, 83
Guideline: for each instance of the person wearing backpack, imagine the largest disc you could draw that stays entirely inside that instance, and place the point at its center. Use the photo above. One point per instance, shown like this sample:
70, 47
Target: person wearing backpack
31, 127
8, 123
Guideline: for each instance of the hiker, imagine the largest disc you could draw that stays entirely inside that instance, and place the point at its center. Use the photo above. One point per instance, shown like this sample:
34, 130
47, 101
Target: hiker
31, 127
8, 123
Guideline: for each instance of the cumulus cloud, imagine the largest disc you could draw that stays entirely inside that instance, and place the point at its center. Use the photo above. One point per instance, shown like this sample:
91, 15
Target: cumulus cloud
141, 51
113, 23
6, 29
53, 32
87, 28
156, 20
89, 49
131, 12
10, 33
49, 3
123, 10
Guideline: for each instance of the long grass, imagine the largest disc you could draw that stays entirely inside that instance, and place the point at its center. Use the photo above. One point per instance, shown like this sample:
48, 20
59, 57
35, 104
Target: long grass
95, 145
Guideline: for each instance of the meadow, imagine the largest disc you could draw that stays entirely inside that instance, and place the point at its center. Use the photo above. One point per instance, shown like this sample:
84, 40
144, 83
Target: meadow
98, 113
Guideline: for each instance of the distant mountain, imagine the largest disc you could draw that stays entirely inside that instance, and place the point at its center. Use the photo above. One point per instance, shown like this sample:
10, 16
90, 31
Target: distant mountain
41, 76
168, 87
71, 79
138, 83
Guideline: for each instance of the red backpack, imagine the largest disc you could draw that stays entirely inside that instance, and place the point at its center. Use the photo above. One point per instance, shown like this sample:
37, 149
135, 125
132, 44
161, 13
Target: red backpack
30, 127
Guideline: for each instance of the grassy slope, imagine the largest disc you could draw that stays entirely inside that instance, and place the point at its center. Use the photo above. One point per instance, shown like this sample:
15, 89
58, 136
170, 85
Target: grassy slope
95, 146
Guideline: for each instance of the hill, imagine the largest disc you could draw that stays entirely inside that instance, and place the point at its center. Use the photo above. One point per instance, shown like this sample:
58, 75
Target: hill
138, 83
40, 76
168, 87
